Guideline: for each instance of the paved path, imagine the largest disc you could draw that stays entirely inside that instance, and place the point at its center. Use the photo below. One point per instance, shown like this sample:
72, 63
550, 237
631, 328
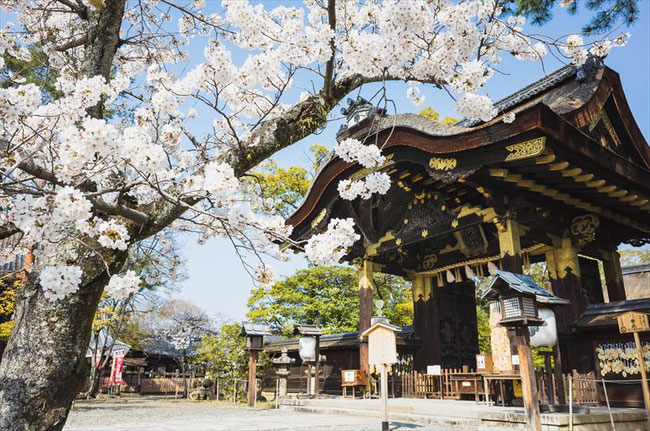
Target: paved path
150, 414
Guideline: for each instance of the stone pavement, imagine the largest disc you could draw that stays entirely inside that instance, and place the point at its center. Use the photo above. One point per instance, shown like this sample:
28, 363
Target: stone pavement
156, 414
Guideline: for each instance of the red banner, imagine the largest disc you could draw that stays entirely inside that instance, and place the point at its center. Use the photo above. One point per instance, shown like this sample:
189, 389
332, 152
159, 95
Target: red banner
118, 364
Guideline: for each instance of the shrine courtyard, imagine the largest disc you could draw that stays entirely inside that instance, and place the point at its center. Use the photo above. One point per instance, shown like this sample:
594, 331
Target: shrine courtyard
158, 413
149, 413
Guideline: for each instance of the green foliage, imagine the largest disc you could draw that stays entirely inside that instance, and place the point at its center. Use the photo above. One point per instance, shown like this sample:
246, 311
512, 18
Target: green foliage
607, 13
9, 286
483, 324
283, 189
634, 256
226, 359
432, 114
329, 295
34, 70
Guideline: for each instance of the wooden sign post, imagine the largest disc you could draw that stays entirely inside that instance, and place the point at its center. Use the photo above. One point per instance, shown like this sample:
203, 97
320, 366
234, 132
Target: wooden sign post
637, 322
382, 350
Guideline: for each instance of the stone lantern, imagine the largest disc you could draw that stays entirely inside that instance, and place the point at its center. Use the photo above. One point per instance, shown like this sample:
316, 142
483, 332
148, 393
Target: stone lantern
283, 363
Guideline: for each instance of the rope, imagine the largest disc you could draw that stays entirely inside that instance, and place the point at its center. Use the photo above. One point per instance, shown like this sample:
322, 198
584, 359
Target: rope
628, 382
479, 260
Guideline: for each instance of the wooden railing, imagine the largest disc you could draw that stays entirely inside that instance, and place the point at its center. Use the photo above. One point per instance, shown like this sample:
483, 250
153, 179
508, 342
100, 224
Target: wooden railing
418, 385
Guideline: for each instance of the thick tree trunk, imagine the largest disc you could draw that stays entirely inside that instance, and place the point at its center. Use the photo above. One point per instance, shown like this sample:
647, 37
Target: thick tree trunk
44, 365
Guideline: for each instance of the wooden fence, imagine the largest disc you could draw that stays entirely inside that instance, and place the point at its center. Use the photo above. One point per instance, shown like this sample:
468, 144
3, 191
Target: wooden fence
145, 385
585, 388
417, 385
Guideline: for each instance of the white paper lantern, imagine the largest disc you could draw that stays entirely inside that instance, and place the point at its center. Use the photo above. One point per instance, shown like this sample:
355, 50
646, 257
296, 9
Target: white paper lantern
546, 335
307, 348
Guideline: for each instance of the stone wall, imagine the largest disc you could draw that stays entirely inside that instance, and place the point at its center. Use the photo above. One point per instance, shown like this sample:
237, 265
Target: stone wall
501, 356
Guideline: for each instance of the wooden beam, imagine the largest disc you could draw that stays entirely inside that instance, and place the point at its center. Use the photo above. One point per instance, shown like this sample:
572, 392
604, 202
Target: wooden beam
365, 308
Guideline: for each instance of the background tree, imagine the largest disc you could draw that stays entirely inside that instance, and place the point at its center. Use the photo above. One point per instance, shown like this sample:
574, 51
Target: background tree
226, 359
282, 189
634, 256
9, 286
607, 13
329, 295
434, 115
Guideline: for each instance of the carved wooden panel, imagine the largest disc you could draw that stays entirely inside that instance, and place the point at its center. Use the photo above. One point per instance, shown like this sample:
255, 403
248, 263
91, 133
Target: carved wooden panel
458, 331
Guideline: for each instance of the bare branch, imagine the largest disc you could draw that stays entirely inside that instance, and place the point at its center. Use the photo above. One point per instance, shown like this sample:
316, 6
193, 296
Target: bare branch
73, 43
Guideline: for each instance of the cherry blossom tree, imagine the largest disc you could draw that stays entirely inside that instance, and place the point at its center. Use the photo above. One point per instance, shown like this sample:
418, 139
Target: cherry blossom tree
106, 157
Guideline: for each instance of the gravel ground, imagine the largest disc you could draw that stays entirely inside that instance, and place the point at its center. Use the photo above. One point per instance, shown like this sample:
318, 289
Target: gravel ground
156, 414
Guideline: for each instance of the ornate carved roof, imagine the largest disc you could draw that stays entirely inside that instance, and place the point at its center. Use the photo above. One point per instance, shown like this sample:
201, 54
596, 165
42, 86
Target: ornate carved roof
573, 162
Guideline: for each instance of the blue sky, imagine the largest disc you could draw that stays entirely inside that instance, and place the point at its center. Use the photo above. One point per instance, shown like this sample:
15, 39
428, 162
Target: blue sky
218, 282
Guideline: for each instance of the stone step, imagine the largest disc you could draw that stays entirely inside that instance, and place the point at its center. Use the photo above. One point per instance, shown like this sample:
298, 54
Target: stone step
438, 422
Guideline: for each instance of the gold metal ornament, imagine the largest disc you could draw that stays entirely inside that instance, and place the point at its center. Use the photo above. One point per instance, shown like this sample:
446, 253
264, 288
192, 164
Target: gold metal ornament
441, 164
527, 149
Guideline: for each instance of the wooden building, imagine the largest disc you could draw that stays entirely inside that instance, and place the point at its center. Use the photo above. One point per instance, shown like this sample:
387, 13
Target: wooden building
342, 353
565, 183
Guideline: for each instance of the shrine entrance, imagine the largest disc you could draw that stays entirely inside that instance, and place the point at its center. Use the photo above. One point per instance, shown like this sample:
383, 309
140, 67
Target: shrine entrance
565, 184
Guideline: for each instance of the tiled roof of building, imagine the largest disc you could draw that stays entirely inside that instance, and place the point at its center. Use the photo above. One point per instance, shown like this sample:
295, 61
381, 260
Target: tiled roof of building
523, 284
275, 342
634, 269
528, 92
7, 245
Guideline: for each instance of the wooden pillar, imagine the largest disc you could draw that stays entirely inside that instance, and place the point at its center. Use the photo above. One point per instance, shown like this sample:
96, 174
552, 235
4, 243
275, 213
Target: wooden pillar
613, 275
528, 381
433, 322
316, 367
510, 246
252, 369
566, 281
420, 321
557, 372
365, 309
503, 340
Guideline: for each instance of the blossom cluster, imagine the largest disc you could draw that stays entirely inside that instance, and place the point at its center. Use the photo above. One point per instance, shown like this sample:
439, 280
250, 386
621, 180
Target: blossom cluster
376, 182
123, 286
60, 281
369, 156
330, 246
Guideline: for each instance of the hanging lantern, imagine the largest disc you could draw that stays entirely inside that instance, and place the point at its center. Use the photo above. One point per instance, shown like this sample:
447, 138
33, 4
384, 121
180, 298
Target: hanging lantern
469, 273
492, 268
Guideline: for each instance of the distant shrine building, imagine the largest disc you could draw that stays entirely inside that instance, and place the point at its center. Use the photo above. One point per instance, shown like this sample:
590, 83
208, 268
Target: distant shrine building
566, 183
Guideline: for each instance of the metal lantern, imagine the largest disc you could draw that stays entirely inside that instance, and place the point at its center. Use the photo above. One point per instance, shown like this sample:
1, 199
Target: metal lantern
254, 334
518, 308
254, 342
517, 296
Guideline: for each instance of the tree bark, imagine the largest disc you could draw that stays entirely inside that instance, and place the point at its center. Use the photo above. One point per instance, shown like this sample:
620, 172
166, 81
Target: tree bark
44, 364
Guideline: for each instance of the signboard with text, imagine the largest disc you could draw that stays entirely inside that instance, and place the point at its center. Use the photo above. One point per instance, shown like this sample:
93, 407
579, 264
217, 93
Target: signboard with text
633, 322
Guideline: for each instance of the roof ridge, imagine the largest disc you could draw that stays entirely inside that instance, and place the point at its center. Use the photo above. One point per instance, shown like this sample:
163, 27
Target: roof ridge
525, 93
